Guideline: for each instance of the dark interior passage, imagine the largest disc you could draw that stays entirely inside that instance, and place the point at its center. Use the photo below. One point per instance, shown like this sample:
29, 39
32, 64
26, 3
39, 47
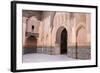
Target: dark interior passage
63, 45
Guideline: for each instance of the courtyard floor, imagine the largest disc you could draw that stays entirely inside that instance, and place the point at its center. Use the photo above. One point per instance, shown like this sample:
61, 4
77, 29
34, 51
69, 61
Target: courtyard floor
37, 57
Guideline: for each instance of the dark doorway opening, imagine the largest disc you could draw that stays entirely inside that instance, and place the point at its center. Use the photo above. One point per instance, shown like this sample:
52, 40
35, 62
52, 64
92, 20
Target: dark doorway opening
32, 28
63, 44
30, 45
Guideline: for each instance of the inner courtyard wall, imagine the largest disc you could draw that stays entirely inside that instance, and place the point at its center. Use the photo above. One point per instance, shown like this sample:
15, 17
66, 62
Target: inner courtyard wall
78, 31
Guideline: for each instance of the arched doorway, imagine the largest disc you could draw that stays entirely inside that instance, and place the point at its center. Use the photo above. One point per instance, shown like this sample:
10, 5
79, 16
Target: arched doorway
30, 45
63, 43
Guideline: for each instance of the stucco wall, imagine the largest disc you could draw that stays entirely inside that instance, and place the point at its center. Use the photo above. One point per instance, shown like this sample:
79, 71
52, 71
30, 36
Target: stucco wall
50, 27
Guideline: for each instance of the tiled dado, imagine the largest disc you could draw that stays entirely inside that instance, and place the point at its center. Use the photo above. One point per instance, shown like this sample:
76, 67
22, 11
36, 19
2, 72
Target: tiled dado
51, 51
82, 53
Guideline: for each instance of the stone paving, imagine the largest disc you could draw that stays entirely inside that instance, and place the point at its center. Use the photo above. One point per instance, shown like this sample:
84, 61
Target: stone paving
38, 57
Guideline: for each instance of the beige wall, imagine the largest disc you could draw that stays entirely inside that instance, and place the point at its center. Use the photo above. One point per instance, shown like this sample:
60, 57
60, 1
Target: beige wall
76, 24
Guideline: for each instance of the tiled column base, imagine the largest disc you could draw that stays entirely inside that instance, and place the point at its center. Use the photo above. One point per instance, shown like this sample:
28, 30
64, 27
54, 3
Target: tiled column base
71, 52
56, 51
